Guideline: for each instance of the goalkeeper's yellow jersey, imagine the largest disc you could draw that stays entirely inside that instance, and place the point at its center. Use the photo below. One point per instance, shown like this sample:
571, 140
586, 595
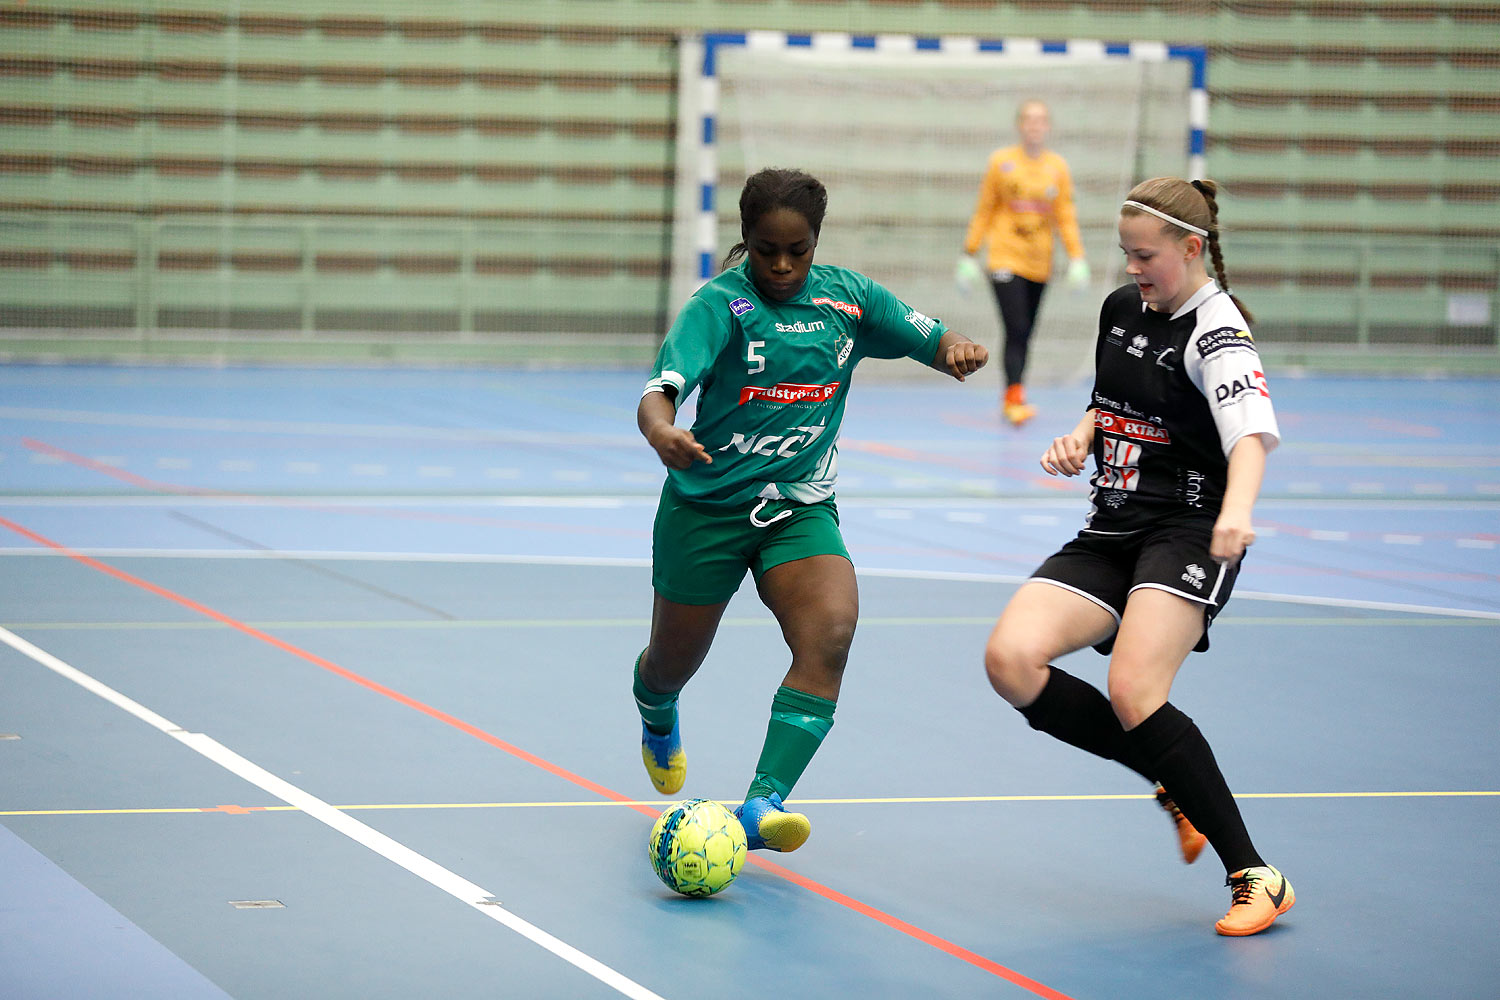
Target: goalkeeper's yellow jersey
1021, 200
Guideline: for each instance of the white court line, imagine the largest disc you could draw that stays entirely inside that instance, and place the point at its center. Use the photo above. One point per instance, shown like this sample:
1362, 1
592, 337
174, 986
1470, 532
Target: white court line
315, 501
1333, 602
102, 552
636, 562
609, 501
424, 868
405, 432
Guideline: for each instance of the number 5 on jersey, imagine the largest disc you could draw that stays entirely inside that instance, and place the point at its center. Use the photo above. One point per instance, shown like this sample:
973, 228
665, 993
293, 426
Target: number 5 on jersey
756, 361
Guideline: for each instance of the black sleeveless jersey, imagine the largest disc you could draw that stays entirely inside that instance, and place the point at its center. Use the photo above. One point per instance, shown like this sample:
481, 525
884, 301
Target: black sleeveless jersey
1172, 395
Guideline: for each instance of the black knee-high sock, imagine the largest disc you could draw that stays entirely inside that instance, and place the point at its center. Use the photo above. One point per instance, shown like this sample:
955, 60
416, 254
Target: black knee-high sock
1175, 751
1079, 714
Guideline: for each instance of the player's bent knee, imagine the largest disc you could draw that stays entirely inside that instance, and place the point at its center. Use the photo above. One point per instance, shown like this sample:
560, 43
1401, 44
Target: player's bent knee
824, 649
833, 650
1134, 698
825, 636
840, 637
1010, 668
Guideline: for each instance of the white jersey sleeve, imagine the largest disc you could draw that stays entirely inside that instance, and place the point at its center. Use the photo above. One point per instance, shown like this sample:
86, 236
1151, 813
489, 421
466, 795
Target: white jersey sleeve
1224, 365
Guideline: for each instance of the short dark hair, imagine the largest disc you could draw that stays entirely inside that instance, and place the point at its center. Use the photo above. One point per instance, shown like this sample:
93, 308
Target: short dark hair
779, 187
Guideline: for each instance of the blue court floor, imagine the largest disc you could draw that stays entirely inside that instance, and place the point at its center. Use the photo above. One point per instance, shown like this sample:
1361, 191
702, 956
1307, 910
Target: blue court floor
315, 683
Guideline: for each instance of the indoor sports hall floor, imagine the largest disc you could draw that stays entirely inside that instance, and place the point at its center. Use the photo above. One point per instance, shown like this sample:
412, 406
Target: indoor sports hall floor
315, 684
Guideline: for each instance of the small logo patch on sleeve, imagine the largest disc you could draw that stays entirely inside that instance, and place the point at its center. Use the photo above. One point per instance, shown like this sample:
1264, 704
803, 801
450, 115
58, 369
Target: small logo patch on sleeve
1224, 338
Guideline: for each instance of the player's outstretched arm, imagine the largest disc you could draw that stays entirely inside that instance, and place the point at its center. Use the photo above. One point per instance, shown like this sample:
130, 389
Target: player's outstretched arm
1069, 454
675, 446
959, 356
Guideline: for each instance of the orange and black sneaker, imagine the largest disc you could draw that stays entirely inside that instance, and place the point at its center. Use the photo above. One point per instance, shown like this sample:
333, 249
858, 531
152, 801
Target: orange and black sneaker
1191, 840
1016, 409
1258, 896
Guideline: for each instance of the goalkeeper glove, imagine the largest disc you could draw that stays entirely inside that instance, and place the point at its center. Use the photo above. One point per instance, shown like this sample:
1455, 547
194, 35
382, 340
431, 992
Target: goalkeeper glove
967, 274
1078, 273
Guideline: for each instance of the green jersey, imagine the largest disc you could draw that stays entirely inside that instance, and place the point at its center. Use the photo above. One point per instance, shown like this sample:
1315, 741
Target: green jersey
774, 376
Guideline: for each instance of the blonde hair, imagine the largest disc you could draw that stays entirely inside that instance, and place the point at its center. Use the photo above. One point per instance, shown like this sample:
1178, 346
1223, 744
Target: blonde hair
1195, 203
1033, 102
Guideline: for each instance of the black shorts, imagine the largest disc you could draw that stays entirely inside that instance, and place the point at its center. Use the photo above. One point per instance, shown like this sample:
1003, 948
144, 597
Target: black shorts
1173, 557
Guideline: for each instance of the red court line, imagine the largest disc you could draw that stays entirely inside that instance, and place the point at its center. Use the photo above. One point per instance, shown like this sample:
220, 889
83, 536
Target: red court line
318, 661
911, 930
833, 895
122, 475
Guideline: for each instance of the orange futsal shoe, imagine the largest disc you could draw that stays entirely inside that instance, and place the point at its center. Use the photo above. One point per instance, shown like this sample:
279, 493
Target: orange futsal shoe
1191, 840
1016, 409
1259, 896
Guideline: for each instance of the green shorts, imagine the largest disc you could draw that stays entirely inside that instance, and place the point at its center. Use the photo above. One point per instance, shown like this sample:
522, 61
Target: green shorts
699, 552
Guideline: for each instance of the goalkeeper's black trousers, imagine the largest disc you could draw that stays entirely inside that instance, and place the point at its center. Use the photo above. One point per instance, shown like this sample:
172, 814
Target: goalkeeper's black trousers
1019, 299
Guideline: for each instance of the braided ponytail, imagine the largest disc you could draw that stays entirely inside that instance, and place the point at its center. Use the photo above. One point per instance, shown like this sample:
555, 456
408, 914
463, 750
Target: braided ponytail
1210, 190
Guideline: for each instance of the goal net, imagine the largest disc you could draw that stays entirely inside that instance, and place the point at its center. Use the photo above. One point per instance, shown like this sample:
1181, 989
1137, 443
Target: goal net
900, 130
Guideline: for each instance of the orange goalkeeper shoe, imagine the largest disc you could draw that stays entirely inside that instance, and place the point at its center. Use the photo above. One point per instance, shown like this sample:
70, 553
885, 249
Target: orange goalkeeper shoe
1258, 896
1016, 410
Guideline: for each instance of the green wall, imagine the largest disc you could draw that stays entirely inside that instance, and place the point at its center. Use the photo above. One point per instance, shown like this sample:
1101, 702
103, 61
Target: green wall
493, 181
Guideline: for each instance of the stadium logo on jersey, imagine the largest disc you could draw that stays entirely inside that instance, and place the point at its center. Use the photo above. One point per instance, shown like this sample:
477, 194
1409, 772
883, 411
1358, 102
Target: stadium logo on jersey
926, 324
741, 306
1116, 335
1194, 576
1138, 345
1128, 427
1243, 386
788, 392
781, 445
844, 307
801, 326
1224, 338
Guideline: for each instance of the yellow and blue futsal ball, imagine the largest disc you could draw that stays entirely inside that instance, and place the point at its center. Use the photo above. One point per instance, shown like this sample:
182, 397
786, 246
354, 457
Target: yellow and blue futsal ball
697, 847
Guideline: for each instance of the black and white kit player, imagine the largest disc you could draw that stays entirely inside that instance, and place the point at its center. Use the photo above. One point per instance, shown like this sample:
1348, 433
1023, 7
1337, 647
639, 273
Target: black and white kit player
1172, 396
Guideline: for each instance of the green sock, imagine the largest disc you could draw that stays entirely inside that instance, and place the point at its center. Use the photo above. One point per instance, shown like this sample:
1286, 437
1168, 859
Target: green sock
799, 721
658, 711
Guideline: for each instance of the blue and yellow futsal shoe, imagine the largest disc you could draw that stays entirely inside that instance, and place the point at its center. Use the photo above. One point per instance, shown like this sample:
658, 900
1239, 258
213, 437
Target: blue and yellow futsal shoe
664, 759
769, 827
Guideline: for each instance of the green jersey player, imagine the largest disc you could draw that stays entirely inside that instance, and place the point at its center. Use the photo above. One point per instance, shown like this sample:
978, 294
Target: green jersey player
770, 344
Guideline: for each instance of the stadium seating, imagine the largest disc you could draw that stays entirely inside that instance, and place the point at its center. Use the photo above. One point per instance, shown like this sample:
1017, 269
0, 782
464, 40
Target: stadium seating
371, 167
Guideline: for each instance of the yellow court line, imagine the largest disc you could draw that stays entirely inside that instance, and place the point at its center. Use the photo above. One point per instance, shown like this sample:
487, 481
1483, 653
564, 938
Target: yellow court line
593, 803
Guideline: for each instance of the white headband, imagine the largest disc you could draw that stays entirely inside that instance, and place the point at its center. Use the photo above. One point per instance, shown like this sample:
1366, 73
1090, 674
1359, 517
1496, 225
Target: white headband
1167, 218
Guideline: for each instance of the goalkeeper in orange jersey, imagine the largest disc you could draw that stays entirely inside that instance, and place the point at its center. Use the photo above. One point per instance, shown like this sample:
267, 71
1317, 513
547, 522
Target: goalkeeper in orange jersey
1026, 193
